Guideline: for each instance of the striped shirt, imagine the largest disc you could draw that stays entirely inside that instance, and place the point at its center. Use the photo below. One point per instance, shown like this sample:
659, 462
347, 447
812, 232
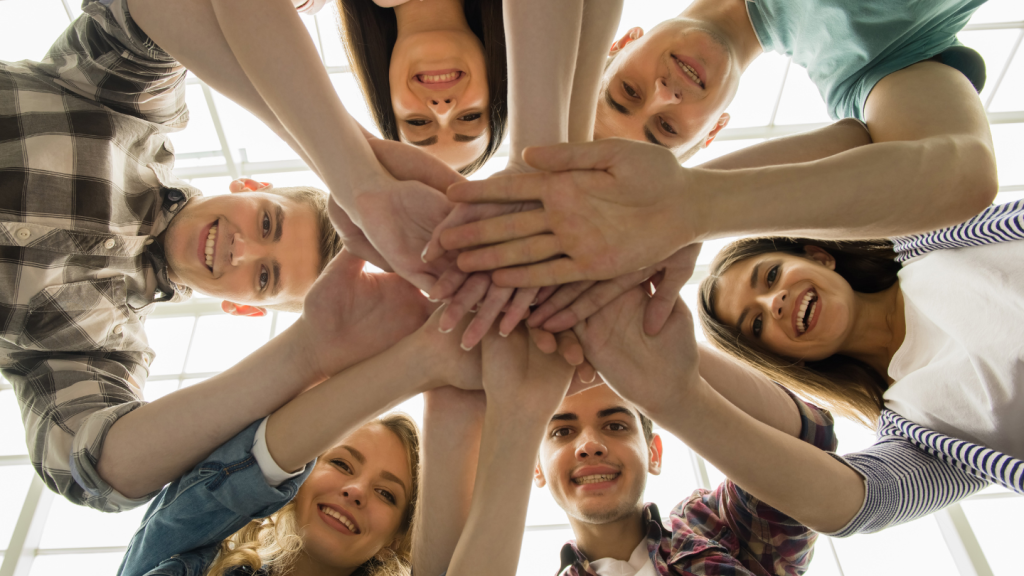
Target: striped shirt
912, 471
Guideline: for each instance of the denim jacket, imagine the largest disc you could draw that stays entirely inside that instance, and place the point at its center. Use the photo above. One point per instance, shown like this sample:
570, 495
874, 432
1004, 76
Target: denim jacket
184, 526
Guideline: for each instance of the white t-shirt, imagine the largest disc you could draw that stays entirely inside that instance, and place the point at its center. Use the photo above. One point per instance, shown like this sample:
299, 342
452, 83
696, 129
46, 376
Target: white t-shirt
639, 564
960, 370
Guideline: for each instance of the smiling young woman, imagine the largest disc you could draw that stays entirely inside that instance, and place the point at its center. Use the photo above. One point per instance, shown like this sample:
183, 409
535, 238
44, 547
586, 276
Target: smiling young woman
434, 74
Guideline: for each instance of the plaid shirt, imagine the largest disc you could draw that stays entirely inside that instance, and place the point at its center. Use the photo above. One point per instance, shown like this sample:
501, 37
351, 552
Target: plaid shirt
85, 187
726, 532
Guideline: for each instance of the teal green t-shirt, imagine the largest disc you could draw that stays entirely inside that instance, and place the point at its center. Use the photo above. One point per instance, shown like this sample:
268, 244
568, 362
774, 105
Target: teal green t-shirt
847, 46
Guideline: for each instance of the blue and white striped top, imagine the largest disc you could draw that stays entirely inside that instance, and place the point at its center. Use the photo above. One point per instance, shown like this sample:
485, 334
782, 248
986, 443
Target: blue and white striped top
912, 471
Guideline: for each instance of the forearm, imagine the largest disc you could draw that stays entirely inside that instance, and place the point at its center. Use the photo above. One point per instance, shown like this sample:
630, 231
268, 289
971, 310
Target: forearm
542, 38
279, 62
160, 441
808, 146
317, 420
792, 476
600, 19
749, 390
882, 190
494, 531
452, 426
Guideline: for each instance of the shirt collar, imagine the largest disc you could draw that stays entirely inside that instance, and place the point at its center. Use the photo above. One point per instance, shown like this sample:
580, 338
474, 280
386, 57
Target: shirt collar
571, 555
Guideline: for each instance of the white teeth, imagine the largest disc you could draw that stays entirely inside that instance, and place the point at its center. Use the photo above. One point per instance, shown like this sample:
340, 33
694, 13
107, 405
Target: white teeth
340, 518
210, 241
689, 71
594, 478
801, 314
438, 78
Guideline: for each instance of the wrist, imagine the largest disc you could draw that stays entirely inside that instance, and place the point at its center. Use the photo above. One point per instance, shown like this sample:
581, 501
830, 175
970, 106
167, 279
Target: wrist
300, 345
698, 206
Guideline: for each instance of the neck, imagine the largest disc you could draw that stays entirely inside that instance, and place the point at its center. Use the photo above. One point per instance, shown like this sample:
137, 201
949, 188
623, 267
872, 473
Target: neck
878, 328
429, 15
729, 18
306, 565
616, 539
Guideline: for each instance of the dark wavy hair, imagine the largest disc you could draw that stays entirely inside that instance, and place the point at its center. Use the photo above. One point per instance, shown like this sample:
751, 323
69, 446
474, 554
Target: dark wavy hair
843, 384
369, 33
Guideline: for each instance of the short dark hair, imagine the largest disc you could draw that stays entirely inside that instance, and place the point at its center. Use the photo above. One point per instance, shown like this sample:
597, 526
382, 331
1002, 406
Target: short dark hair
845, 385
647, 426
329, 240
369, 33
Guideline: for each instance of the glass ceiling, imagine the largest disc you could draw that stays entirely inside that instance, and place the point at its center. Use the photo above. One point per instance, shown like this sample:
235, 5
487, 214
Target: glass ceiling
42, 535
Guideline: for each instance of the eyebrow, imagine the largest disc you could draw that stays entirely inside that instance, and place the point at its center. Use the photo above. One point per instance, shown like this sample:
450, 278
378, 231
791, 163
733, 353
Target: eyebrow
355, 454
277, 278
611, 102
570, 416
754, 275
465, 137
389, 476
616, 410
279, 217
428, 142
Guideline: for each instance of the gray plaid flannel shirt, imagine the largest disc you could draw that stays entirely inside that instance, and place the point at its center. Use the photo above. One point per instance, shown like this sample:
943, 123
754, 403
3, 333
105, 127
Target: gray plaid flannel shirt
85, 187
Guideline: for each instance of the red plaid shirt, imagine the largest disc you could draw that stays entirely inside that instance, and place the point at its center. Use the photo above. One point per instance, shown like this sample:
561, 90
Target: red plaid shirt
726, 531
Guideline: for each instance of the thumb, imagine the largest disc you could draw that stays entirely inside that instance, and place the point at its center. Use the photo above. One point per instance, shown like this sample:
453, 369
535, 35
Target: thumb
581, 156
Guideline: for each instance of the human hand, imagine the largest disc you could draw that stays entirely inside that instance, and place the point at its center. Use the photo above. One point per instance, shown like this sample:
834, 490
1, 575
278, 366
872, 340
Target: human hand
611, 208
444, 361
575, 302
519, 378
635, 364
362, 313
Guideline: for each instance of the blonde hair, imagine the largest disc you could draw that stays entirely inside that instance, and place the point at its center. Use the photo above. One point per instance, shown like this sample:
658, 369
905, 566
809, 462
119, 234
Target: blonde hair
840, 383
275, 542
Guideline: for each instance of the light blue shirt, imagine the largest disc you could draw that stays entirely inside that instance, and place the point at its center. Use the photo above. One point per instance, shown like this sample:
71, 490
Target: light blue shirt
847, 46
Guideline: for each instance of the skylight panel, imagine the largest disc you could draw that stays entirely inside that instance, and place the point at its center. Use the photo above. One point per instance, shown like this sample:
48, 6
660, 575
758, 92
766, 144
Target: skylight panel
170, 338
102, 564
995, 47
245, 132
801, 102
330, 38
14, 482
71, 526
999, 11
1010, 96
201, 134
999, 542
1009, 144
221, 341
12, 432
37, 25
913, 548
759, 88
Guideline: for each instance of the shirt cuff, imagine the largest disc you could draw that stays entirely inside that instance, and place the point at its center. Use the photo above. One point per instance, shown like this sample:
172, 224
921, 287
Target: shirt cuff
272, 473
311, 6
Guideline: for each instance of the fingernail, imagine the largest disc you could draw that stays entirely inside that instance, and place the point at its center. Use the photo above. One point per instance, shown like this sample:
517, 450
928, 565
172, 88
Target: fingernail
435, 300
466, 348
442, 330
423, 255
502, 334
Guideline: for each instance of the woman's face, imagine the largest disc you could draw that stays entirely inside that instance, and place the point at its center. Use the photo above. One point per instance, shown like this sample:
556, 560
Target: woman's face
353, 502
794, 306
439, 94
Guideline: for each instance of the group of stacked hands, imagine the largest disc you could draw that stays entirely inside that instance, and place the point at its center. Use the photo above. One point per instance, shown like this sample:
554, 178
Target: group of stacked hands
565, 268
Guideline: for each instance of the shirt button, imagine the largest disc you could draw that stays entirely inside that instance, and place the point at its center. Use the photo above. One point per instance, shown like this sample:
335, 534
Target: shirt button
174, 207
148, 241
24, 233
119, 328
109, 243
145, 358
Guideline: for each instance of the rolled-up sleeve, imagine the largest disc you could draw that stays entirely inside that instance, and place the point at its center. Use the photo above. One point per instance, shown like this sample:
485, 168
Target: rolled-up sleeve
68, 405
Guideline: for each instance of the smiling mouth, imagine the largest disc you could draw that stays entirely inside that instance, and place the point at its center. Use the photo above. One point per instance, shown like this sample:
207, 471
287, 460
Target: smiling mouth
688, 71
440, 79
340, 518
594, 479
211, 248
808, 306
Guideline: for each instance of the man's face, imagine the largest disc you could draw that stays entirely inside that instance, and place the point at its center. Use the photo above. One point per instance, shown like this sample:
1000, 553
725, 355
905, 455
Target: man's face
595, 459
669, 86
265, 247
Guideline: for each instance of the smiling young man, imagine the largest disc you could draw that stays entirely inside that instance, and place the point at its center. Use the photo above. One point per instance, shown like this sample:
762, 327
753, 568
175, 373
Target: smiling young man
595, 459
95, 229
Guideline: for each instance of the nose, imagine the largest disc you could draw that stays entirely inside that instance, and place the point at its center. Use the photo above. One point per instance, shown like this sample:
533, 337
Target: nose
589, 448
442, 106
355, 495
243, 251
665, 93
774, 301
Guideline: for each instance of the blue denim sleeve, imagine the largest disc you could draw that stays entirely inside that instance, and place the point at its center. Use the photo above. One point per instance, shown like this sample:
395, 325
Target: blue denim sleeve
192, 515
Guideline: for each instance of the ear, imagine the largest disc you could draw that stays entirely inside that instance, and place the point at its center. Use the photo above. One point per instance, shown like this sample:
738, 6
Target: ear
538, 477
633, 33
247, 185
723, 121
242, 309
654, 453
819, 255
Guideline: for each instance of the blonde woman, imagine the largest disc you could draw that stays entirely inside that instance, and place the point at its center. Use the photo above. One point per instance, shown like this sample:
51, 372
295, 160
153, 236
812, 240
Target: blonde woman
242, 510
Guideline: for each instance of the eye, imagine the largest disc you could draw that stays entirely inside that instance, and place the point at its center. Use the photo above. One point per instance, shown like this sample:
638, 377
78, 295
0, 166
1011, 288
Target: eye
470, 117
387, 495
629, 91
343, 465
417, 122
772, 274
559, 432
755, 327
617, 427
666, 126
266, 225
264, 278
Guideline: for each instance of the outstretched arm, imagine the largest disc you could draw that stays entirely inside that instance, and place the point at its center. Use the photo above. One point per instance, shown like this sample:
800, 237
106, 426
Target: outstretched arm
663, 376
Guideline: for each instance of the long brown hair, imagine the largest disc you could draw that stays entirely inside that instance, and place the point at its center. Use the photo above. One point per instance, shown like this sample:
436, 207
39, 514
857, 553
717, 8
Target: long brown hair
843, 384
274, 543
369, 33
